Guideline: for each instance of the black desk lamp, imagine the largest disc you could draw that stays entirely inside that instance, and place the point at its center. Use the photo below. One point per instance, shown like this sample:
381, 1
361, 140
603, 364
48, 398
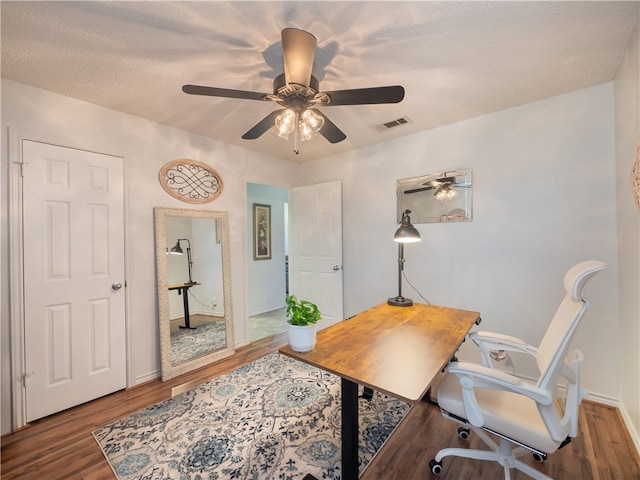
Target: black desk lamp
177, 250
407, 233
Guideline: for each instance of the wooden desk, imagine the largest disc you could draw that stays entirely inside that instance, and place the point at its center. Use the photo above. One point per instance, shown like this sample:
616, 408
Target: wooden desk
395, 350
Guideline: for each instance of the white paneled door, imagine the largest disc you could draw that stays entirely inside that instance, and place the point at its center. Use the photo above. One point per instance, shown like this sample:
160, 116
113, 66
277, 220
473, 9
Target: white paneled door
74, 303
315, 261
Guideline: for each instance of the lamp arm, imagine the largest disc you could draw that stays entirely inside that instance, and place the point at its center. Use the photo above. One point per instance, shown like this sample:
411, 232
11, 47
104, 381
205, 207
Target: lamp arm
189, 261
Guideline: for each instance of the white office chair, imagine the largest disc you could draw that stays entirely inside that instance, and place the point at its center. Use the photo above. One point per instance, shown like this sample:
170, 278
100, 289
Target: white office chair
527, 416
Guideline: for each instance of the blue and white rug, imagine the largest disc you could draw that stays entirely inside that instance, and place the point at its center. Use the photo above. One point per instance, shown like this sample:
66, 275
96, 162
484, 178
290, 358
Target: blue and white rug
275, 418
188, 343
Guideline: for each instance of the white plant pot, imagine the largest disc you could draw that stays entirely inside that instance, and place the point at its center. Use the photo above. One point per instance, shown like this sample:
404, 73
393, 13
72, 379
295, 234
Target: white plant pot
302, 338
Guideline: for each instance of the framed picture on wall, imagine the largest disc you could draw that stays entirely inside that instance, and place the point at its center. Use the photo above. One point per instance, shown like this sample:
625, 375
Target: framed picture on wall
261, 232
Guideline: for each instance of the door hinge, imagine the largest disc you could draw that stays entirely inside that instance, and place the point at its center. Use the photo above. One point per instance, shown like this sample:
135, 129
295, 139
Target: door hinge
22, 165
26, 375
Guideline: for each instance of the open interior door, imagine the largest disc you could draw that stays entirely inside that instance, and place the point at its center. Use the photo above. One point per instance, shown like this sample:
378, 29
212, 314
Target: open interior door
315, 257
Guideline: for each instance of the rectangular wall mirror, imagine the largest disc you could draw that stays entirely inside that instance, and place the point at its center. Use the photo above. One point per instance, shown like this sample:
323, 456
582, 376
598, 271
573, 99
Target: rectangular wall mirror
194, 288
437, 197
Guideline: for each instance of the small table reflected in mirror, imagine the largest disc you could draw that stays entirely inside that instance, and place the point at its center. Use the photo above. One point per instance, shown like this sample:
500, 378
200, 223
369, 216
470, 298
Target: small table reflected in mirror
183, 289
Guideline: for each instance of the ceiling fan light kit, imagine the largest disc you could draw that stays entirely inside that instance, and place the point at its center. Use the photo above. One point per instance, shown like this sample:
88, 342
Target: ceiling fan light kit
298, 92
445, 193
304, 126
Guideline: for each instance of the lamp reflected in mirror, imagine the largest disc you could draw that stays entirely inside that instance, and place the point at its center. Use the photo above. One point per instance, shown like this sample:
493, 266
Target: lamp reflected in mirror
177, 250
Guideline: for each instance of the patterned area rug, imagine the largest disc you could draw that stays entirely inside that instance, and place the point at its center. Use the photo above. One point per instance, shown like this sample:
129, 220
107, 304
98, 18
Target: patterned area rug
275, 418
206, 338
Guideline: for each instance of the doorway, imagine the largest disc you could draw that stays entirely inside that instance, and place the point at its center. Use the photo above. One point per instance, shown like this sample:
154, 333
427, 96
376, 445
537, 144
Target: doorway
268, 250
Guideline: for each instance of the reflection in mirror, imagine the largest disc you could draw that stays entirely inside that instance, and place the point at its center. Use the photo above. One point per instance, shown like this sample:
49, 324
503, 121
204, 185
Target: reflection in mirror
194, 288
437, 197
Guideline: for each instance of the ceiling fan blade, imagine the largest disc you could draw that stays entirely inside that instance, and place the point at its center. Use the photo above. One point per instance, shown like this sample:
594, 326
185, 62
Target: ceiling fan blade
262, 126
298, 49
416, 190
329, 129
366, 96
223, 92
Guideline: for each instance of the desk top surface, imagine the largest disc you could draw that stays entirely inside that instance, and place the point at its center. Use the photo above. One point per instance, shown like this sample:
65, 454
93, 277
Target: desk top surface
182, 285
395, 350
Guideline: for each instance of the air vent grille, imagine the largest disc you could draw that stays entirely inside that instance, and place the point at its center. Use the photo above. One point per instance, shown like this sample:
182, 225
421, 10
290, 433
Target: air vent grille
397, 122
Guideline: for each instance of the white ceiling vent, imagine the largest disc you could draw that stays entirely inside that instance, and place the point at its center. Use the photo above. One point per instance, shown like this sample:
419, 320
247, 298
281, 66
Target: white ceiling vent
397, 122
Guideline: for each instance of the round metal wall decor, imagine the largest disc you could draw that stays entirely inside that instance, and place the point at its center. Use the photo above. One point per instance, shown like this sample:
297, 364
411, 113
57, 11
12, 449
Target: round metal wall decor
191, 181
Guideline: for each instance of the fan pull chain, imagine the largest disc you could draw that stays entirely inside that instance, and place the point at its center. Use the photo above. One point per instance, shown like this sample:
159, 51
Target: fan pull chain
296, 134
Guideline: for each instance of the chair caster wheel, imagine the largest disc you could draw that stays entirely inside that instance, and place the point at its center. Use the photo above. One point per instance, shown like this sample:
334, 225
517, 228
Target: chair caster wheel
463, 433
538, 457
436, 467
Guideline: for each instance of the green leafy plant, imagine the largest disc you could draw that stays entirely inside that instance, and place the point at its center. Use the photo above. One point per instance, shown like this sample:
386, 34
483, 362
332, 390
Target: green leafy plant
301, 312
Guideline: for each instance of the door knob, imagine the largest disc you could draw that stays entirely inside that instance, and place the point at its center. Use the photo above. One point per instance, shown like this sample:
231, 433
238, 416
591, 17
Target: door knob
116, 286
336, 268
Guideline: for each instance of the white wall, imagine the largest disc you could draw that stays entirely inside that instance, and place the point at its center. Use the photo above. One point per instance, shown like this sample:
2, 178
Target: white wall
147, 146
543, 199
627, 121
266, 278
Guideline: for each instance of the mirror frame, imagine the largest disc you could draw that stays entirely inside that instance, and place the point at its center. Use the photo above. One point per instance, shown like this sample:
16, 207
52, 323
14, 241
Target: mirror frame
169, 370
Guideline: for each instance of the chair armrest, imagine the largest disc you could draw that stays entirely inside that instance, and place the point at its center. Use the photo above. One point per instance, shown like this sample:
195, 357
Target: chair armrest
474, 376
489, 341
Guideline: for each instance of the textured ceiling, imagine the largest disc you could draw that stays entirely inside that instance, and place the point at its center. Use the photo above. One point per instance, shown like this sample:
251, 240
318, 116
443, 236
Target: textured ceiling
456, 60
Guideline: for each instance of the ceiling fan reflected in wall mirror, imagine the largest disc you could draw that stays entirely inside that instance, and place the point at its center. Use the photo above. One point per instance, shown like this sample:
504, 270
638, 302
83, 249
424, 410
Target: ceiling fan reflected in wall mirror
297, 91
436, 197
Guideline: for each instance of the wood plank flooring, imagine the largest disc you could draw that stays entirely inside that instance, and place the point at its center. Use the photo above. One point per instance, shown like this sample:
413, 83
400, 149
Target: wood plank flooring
61, 446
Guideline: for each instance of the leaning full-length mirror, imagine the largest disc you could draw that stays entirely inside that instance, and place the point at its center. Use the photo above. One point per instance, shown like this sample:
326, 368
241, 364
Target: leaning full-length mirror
194, 288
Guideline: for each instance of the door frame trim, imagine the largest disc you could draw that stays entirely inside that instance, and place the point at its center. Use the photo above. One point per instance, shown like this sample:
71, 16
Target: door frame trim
16, 265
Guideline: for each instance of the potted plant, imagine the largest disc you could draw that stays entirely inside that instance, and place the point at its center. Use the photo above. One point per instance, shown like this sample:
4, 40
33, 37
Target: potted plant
302, 316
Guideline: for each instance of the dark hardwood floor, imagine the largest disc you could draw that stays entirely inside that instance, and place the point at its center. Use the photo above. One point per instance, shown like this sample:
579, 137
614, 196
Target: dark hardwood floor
61, 446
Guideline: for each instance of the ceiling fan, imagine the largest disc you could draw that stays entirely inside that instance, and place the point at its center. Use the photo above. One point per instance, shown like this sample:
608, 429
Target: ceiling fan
298, 93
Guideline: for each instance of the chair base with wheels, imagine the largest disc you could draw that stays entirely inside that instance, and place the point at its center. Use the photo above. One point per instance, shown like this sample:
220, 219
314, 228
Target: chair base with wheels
506, 452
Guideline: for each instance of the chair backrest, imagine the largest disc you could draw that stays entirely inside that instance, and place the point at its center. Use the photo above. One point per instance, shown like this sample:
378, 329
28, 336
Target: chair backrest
555, 343
556, 340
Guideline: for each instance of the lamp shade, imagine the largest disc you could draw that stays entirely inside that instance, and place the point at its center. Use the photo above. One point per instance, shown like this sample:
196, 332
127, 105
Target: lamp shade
176, 249
407, 233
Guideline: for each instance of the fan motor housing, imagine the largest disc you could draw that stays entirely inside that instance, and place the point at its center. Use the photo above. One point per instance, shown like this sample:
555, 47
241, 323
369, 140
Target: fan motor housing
293, 95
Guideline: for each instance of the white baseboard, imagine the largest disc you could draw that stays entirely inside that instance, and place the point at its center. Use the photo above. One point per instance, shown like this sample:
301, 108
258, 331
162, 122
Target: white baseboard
147, 378
241, 344
633, 433
266, 310
628, 423
605, 400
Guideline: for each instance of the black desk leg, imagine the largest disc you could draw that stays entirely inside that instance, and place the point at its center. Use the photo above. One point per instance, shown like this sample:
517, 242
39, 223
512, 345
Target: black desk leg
185, 304
367, 393
349, 430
